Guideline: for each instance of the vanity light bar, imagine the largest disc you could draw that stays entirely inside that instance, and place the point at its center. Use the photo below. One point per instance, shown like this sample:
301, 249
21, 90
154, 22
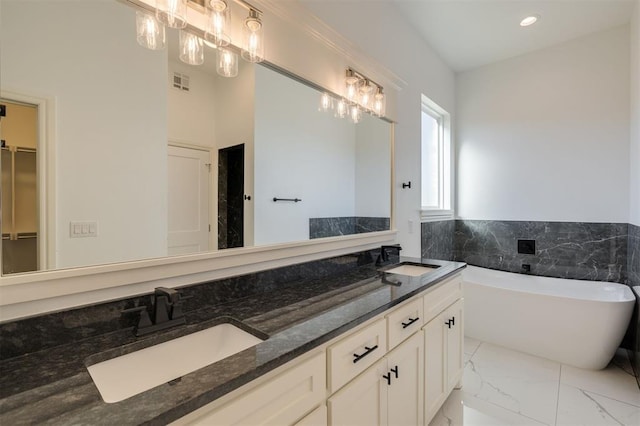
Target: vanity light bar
361, 94
173, 14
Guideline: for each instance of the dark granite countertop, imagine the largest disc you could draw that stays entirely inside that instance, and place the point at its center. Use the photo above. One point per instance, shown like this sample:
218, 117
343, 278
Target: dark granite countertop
53, 386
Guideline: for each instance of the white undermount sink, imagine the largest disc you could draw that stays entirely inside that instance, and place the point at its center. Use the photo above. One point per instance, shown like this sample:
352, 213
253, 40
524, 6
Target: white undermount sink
128, 375
411, 270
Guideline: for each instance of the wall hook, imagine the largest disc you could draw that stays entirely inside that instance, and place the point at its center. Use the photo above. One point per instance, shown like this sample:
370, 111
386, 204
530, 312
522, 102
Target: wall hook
406, 185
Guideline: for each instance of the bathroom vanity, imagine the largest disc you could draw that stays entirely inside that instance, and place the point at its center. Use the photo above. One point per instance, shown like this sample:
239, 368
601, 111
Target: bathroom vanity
349, 350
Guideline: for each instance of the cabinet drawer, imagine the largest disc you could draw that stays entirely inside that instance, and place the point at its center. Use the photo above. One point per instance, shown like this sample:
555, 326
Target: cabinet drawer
281, 401
438, 299
353, 354
403, 322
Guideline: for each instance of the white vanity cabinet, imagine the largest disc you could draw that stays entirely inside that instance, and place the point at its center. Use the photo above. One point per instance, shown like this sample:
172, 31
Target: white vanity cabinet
388, 393
396, 369
444, 345
282, 400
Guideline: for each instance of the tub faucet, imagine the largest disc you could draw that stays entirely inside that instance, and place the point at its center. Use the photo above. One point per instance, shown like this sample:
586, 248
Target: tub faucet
526, 268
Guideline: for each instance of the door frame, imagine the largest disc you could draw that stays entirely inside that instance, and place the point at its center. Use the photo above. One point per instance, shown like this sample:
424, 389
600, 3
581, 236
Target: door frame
46, 176
213, 187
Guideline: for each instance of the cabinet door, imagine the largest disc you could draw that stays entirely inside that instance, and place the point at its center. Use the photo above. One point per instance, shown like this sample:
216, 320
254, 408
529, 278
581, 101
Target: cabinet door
281, 401
317, 417
455, 344
435, 343
362, 402
406, 386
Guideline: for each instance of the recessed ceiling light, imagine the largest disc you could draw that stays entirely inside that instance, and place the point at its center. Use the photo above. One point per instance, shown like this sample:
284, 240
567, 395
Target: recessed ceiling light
529, 20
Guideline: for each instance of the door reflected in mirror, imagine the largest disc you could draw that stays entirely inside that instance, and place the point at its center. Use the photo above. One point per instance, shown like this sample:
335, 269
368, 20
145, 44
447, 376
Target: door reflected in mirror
137, 152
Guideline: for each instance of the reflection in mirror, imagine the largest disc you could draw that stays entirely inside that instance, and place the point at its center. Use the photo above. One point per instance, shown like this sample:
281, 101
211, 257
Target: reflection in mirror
141, 156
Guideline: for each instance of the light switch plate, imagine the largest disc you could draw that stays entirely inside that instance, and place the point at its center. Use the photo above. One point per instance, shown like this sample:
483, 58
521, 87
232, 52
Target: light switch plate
83, 229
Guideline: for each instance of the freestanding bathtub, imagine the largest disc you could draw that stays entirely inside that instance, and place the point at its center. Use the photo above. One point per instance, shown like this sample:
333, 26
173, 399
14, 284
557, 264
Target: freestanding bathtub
580, 323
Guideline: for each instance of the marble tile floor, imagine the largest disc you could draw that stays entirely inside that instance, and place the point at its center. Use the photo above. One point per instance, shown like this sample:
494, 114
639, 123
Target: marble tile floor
505, 387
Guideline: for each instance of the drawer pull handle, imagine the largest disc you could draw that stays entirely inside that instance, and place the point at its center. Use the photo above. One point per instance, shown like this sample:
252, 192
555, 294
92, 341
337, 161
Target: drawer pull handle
388, 377
367, 351
395, 371
451, 322
411, 321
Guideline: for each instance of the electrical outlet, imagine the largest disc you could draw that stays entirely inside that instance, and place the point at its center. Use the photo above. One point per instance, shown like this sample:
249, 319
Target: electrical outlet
411, 227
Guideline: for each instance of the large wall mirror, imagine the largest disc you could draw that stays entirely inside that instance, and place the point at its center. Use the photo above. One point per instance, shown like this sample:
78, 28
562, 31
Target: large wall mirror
114, 153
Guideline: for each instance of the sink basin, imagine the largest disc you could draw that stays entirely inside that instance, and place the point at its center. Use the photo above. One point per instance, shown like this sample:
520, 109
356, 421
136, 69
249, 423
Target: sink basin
128, 375
411, 270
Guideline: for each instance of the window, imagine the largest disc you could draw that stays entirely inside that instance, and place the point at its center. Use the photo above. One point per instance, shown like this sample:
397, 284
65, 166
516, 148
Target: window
436, 163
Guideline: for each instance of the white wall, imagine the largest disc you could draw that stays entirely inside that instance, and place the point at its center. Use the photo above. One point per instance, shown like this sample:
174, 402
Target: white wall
52, 50
300, 153
545, 136
382, 33
373, 168
191, 113
634, 157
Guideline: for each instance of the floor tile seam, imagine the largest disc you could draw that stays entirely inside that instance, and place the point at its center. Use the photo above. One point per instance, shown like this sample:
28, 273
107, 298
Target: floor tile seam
603, 395
558, 395
506, 409
474, 351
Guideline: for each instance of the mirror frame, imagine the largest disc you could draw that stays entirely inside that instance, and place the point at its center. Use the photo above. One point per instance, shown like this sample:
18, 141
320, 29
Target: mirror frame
51, 290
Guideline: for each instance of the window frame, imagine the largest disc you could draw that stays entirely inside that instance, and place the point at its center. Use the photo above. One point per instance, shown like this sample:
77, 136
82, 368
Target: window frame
443, 120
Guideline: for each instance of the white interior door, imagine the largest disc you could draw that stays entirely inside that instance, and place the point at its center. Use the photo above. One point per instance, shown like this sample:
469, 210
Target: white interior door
189, 171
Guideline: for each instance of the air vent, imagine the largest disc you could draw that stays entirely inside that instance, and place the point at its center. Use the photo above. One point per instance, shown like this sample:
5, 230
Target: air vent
181, 81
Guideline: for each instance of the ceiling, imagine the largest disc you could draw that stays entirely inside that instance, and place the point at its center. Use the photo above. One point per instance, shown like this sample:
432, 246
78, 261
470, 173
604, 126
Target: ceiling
470, 33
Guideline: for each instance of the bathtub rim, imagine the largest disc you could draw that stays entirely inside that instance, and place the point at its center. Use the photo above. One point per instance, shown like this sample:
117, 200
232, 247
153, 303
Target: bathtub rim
624, 292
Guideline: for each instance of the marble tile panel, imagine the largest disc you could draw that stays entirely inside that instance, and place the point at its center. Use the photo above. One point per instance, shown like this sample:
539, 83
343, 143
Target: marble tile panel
588, 251
633, 255
366, 224
461, 409
580, 407
437, 239
322, 227
521, 383
613, 382
203, 300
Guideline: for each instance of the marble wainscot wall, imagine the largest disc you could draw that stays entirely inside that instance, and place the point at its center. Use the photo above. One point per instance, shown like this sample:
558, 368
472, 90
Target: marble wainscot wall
437, 239
203, 301
633, 255
576, 250
321, 227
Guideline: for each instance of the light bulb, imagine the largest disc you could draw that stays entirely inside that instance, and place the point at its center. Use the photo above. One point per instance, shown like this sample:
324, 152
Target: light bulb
191, 49
253, 44
365, 94
352, 83
326, 102
341, 109
226, 62
217, 18
379, 103
355, 114
172, 13
150, 33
